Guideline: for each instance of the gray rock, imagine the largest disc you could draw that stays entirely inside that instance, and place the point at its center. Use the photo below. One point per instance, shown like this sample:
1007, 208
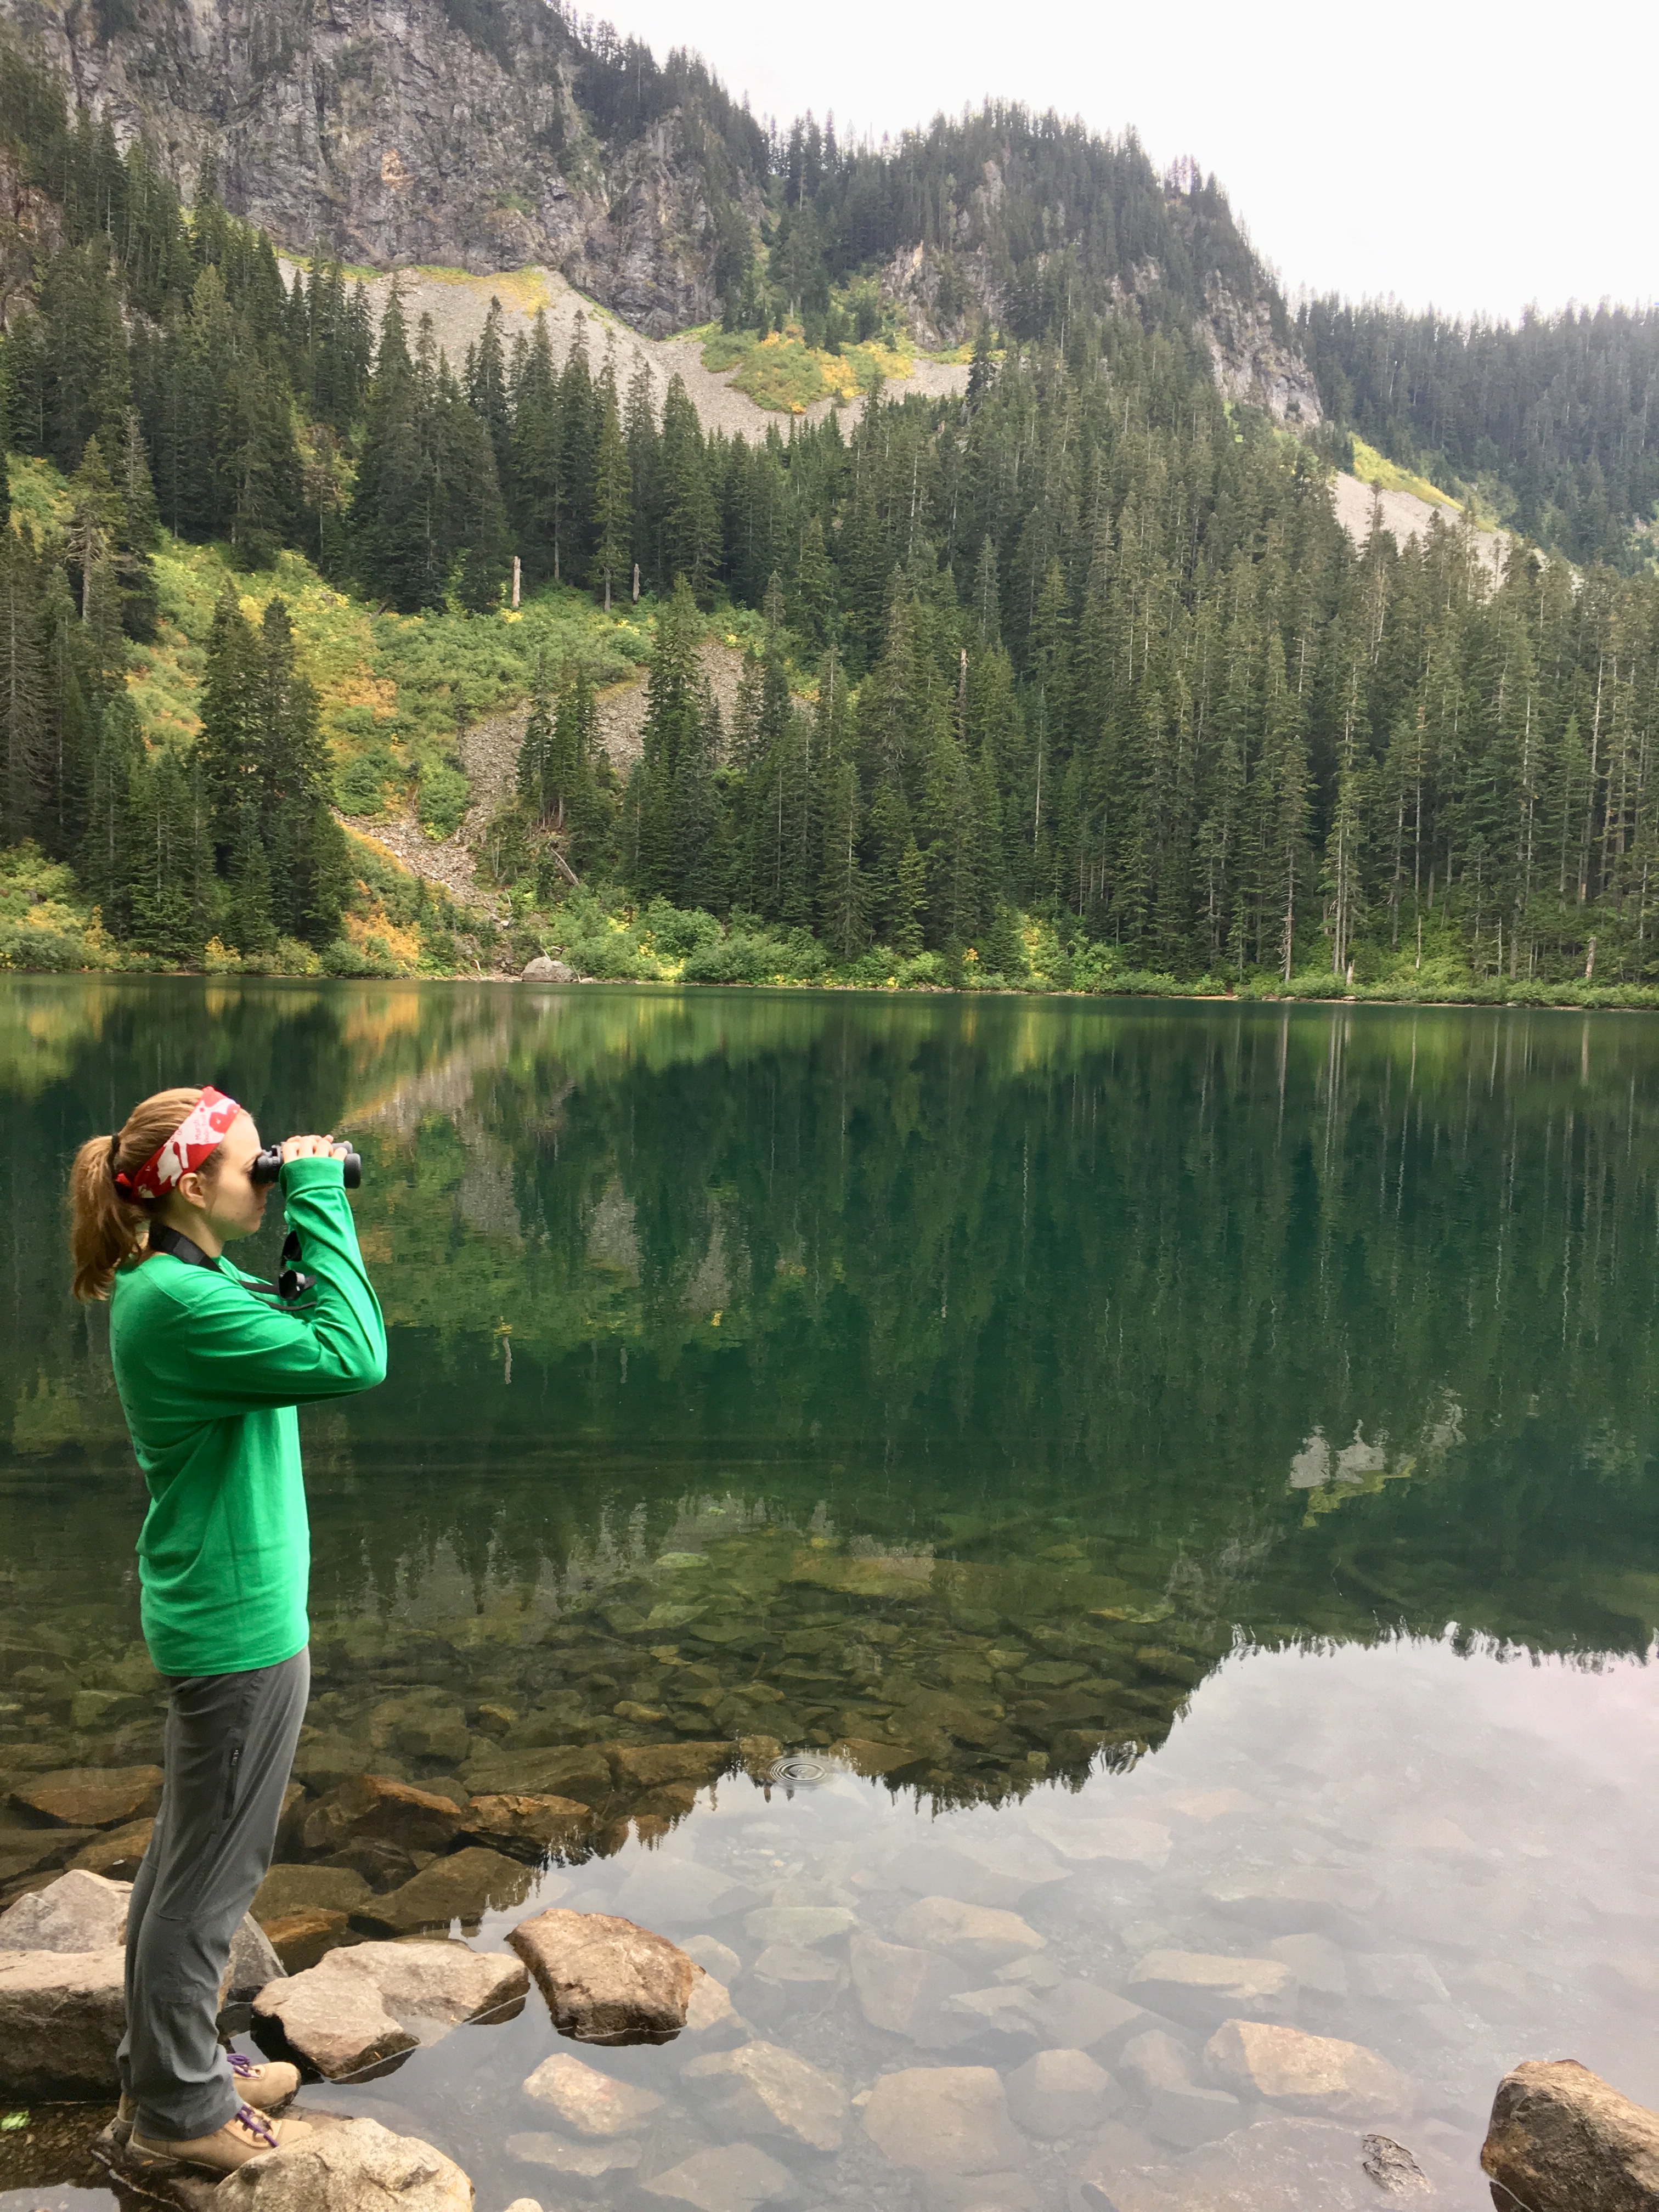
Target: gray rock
1060, 2093
606, 1980
1274, 2164
252, 1965
1181, 2111
799, 1923
731, 2180
542, 970
1337, 1899
79, 1911
1401, 1977
952, 2119
1393, 2168
62, 2017
763, 2090
1082, 2016
1314, 1960
371, 2002
900, 1988
353, 2167
1003, 2022
1562, 2140
972, 1935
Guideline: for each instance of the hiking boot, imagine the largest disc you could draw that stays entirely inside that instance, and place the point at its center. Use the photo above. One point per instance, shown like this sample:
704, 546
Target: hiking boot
265, 2087
249, 2135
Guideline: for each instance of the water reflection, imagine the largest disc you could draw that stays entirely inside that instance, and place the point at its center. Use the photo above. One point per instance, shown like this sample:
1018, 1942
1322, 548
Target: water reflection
983, 1398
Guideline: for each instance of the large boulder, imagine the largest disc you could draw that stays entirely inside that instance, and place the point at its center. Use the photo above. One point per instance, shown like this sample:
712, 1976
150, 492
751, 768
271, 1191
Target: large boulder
79, 1911
1319, 2076
1561, 2140
605, 1979
62, 2014
542, 970
359, 2166
94, 1797
368, 2005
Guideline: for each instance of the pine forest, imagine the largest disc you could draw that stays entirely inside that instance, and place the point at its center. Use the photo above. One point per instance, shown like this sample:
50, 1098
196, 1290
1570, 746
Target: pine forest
1070, 679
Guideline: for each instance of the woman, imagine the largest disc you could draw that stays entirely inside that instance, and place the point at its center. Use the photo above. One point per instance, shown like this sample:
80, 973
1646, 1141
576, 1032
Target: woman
209, 1373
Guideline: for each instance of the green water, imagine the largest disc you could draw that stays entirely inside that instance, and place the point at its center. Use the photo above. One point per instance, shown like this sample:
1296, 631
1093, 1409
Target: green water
1082, 1411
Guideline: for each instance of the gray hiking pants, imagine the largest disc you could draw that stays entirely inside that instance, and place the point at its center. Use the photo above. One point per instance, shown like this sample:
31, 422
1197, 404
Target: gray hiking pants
230, 1742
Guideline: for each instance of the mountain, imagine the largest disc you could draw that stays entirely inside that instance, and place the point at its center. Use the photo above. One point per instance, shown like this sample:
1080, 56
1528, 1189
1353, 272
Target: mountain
490, 134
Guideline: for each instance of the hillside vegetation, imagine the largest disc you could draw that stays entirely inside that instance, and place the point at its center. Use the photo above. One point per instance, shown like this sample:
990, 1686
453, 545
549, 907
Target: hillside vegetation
1073, 679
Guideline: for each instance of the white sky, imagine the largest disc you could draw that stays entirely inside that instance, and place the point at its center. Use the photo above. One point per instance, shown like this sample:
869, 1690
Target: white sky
1476, 157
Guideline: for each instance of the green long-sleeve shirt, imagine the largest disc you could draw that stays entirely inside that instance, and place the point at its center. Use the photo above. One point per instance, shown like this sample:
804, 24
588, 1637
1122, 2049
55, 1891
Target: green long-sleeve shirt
210, 1380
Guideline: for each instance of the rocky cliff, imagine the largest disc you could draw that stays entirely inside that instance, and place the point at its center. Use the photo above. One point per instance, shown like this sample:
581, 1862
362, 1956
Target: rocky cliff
404, 132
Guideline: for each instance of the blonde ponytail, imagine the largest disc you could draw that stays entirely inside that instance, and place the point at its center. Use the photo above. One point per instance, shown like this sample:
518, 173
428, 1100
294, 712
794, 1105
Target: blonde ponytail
106, 1229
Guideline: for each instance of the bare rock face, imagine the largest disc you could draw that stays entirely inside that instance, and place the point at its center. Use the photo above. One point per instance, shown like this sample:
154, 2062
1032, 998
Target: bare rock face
62, 2015
605, 1979
384, 130
79, 1911
762, 2089
1317, 2075
1561, 2140
1256, 365
95, 1796
370, 2003
360, 2166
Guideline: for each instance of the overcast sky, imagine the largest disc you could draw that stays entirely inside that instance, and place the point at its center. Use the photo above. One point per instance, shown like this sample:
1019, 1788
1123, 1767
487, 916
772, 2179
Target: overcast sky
1478, 157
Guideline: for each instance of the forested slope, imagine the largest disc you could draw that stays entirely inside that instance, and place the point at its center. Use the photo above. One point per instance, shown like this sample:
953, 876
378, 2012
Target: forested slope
1073, 679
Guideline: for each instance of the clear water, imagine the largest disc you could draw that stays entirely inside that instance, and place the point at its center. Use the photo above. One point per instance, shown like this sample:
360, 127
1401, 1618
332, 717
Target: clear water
1207, 1452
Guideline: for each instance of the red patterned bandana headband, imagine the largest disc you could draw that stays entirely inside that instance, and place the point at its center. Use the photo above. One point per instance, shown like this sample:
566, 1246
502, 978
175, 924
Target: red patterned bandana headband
196, 1137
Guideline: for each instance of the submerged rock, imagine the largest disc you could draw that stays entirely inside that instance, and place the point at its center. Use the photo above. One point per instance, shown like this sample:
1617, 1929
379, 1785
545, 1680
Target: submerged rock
302, 1938
526, 1825
589, 2169
952, 2119
1317, 2075
762, 2089
1202, 1988
1562, 2140
588, 2102
374, 1806
1393, 2168
288, 1889
79, 1911
118, 1853
734, 2179
973, 1935
463, 1887
1181, 2111
605, 1979
95, 1796
1058, 2094
901, 1987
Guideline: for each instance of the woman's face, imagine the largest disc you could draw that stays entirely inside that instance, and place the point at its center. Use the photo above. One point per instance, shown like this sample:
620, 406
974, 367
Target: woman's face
230, 1202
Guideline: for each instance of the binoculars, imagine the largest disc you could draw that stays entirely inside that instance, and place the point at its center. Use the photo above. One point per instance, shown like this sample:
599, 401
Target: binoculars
268, 1164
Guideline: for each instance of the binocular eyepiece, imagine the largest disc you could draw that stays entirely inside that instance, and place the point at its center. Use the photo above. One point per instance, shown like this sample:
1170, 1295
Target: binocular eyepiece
268, 1164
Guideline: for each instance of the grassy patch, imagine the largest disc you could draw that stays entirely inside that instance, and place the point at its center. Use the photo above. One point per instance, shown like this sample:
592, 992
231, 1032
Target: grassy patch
1370, 467
783, 371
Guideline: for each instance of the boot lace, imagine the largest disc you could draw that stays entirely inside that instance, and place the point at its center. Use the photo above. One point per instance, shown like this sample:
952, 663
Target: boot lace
256, 2126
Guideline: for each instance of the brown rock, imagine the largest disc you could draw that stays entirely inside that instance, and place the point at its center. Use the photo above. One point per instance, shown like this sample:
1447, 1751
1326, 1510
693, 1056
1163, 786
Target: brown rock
290, 1889
62, 2015
1203, 1988
1058, 2094
567, 1771
359, 2166
973, 1935
951, 2119
301, 1939
526, 1826
95, 1796
650, 1765
605, 1979
37, 1850
463, 1887
899, 1987
1561, 2140
118, 1854
1319, 2076
372, 1807
588, 2102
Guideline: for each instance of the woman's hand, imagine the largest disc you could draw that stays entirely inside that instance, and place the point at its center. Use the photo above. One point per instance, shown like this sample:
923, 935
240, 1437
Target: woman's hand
306, 1148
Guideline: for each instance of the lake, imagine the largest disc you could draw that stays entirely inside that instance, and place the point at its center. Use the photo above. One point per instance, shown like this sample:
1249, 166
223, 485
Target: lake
1152, 1504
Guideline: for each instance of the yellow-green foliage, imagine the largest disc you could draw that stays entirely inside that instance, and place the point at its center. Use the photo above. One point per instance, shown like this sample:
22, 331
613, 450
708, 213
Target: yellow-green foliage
40, 496
44, 920
1370, 467
783, 371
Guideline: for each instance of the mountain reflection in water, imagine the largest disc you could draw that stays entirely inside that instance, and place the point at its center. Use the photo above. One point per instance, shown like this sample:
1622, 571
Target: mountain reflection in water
978, 1395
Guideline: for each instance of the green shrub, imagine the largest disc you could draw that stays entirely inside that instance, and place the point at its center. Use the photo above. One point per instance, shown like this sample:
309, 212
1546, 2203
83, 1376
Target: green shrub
442, 799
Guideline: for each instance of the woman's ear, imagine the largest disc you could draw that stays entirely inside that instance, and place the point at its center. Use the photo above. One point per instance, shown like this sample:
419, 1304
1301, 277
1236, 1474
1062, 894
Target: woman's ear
193, 1190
